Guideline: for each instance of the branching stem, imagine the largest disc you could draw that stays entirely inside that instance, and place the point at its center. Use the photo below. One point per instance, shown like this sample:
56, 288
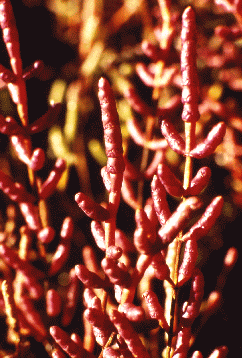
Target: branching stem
190, 129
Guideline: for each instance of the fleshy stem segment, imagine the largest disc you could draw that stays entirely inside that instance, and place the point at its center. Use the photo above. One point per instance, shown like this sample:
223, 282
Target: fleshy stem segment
115, 162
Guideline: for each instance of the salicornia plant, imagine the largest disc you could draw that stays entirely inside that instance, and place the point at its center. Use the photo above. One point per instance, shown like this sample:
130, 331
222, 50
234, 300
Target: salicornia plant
139, 291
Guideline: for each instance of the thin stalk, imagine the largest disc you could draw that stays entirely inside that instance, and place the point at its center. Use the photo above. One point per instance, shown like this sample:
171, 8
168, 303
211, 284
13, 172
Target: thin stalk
190, 129
114, 199
108, 344
22, 110
173, 315
43, 214
104, 300
109, 232
31, 173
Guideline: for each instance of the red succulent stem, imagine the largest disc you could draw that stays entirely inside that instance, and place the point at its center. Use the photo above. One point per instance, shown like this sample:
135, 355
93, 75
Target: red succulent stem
114, 152
11, 39
190, 116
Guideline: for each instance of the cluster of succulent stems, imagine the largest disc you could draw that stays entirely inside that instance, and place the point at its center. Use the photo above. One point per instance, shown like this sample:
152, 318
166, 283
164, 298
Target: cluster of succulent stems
163, 246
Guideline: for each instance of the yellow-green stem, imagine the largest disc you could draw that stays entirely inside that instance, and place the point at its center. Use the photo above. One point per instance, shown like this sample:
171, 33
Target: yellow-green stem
109, 228
108, 344
43, 214
190, 129
173, 316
